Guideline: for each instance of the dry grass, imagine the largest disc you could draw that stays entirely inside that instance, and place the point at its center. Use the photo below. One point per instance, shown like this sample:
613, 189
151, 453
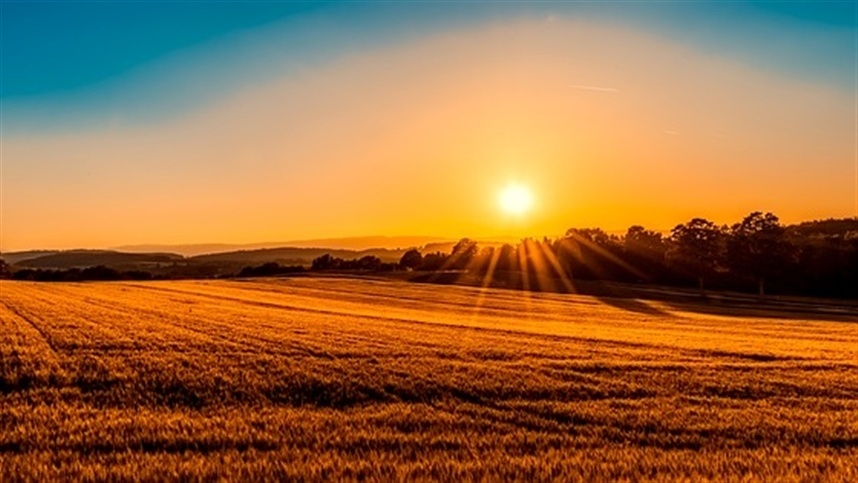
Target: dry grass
353, 379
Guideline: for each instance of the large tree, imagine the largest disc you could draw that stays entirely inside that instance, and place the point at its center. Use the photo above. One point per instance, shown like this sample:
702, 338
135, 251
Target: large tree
697, 248
645, 250
462, 253
758, 248
645, 242
590, 235
412, 259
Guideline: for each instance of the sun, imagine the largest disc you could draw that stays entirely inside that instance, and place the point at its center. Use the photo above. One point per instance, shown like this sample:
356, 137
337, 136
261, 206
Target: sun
515, 199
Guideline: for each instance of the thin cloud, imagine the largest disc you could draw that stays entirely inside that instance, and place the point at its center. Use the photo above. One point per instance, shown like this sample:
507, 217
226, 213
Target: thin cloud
593, 88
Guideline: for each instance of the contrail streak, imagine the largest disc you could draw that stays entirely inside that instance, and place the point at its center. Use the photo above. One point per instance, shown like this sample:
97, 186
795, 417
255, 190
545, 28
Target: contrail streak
593, 88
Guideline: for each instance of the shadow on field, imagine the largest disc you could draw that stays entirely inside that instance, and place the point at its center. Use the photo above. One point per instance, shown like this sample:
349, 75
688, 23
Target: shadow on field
633, 298
766, 309
633, 305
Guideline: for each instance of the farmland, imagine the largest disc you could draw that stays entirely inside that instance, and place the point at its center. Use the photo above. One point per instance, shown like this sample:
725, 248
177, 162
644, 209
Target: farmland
338, 378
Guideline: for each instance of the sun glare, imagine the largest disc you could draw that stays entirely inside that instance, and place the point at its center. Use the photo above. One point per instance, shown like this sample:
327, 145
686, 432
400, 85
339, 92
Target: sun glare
515, 199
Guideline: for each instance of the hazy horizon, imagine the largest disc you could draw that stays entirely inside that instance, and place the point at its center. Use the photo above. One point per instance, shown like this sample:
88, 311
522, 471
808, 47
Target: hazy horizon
356, 243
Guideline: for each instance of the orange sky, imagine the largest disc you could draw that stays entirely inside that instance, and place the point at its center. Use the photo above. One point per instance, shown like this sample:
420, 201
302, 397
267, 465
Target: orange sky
608, 127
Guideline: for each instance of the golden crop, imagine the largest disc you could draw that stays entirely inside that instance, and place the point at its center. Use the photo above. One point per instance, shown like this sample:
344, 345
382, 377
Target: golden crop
325, 378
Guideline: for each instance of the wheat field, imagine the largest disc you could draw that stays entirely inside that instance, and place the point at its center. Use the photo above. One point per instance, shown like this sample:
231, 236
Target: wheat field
351, 379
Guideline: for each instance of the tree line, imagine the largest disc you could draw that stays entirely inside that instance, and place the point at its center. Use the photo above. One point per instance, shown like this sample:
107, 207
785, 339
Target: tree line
96, 273
756, 254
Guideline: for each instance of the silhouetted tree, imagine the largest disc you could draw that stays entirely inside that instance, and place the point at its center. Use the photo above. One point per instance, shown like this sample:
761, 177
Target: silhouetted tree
324, 262
593, 235
369, 262
99, 272
482, 260
412, 259
757, 248
507, 258
137, 275
644, 242
645, 250
4, 269
590, 253
826, 261
462, 253
269, 269
697, 248
434, 261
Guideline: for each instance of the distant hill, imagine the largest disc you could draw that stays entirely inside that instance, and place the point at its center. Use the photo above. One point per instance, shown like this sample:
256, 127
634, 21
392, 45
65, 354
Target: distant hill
447, 247
221, 263
194, 249
831, 227
18, 257
300, 252
351, 243
368, 242
89, 258
293, 256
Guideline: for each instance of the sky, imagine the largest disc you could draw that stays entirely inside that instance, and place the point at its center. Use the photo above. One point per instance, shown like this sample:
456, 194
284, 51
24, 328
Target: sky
239, 122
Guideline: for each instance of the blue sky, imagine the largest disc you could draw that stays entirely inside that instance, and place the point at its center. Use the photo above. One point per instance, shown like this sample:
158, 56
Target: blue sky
67, 63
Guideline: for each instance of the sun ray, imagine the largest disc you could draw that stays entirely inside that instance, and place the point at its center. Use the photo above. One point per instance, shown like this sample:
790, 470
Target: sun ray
558, 269
487, 280
542, 277
593, 263
449, 262
525, 279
